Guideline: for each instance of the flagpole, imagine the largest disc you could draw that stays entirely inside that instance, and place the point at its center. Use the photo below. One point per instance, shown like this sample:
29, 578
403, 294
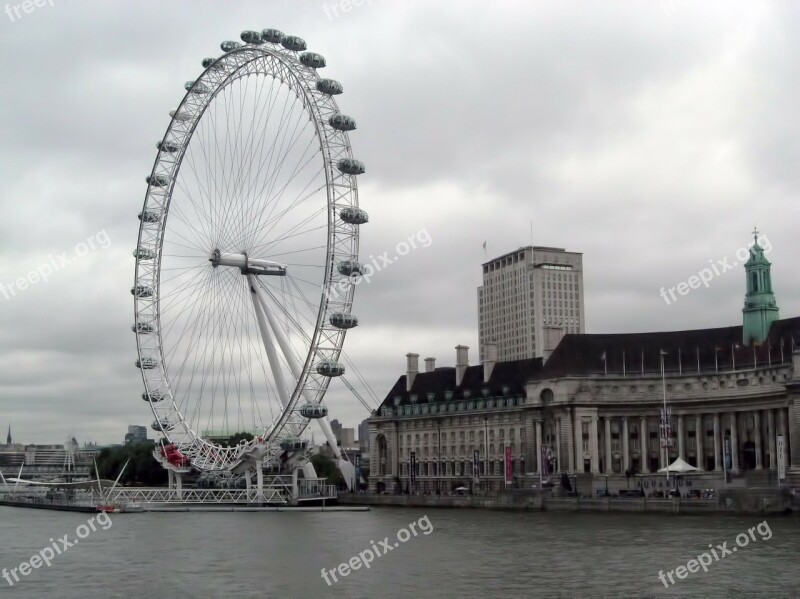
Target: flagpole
623, 363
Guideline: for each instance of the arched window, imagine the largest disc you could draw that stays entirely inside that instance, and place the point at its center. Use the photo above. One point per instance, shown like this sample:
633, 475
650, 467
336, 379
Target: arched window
754, 282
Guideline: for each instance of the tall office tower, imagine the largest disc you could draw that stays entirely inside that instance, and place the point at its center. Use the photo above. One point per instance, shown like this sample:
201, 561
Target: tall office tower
530, 298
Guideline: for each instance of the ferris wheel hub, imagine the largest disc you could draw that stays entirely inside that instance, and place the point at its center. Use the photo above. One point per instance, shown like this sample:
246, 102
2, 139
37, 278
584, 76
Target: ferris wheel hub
248, 265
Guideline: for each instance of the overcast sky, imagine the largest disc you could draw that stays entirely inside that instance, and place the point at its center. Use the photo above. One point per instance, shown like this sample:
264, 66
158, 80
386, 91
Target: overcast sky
651, 136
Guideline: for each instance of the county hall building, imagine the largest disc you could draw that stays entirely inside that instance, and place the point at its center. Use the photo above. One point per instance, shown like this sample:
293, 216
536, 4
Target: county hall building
594, 405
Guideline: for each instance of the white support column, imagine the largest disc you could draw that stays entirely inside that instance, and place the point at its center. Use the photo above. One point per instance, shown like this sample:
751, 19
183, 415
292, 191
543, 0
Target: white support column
577, 434
179, 485
538, 448
681, 436
757, 440
595, 448
259, 481
559, 466
644, 437
626, 450
717, 439
773, 456
607, 468
699, 441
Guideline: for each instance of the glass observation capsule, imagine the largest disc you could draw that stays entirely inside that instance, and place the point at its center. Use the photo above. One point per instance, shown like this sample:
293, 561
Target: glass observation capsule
251, 37
164, 425
329, 368
142, 327
343, 321
146, 363
144, 254
313, 411
154, 396
351, 166
229, 45
342, 122
353, 216
293, 444
329, 87
180, 116
168, 146
142, 291
312, 60
294, 43
157, 180
196, 87
273, 36
148, 216
349, 268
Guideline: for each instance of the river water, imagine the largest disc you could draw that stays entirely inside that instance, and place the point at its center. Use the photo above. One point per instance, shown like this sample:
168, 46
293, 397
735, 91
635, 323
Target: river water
455, 553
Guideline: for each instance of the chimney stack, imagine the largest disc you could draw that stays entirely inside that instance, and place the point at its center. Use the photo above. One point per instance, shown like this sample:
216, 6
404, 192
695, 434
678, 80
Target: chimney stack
490, 361
412, 369
462, 361
430, 364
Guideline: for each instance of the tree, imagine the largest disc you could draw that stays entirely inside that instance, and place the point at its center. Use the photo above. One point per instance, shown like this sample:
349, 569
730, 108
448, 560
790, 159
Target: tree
234, 440
142, 468
326, 468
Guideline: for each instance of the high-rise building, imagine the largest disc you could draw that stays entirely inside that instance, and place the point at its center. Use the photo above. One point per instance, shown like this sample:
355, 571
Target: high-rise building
530, 298
136, 433
336, 427
363, 436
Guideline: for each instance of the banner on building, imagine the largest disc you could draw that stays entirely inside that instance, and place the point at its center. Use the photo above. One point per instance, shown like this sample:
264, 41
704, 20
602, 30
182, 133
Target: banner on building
781, 458
358, 468
476, 465
413, 467
509, 469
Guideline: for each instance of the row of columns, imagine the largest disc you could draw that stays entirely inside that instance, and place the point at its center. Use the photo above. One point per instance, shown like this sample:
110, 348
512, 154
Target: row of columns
731, 418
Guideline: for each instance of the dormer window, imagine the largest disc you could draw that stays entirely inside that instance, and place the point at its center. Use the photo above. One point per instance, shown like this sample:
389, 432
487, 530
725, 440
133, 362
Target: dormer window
413, 398
397, 400
448, 395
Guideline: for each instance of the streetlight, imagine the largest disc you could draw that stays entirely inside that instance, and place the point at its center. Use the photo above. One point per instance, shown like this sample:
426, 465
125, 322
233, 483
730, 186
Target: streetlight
665, 438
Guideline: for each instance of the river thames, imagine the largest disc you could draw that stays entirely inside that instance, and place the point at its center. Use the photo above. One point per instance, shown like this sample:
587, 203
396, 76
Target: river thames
448, 553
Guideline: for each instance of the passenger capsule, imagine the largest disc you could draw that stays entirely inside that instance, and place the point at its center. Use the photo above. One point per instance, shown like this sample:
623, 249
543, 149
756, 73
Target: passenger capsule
312, 60
313, 411
294, 43
342, 320
142, 291
228, 46
146, 363
351, 166
154, 396
329, 87
180, 116
169, 147
342, 122
353, 216
148, 216
293, 444
162, 425
142, 327
251, 37
196, 87
157, 180
273, 36
350, 267
329, 368
144, 254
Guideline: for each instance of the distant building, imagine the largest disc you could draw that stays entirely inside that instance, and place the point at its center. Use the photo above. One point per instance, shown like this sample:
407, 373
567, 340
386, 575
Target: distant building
529, 299
336, 427
347, 438
363, 437
136, 434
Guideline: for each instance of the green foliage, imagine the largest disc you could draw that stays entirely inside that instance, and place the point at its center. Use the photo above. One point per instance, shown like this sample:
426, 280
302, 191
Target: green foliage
142, 469
326, 468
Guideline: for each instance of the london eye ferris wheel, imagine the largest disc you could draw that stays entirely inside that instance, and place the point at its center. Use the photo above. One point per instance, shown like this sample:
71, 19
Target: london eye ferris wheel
247, 254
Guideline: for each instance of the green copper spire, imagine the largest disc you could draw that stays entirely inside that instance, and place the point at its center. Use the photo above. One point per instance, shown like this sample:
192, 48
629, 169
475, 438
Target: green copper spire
760, 309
